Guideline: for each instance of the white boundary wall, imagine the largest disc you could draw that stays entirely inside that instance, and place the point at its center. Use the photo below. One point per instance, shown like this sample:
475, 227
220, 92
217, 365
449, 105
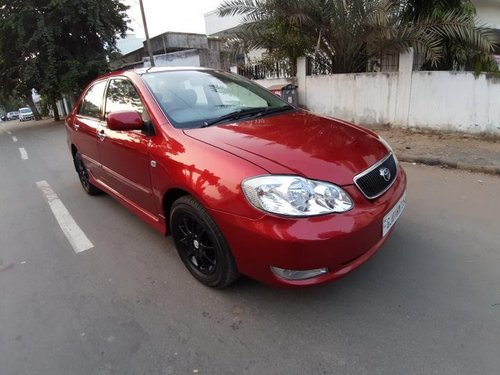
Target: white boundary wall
436, 100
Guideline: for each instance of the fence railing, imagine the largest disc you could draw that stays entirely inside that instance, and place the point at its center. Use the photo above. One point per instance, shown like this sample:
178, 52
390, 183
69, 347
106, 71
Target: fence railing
280, 69
321, 65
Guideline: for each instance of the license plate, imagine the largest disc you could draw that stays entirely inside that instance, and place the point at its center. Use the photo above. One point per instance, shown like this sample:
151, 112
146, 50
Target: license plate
393, 215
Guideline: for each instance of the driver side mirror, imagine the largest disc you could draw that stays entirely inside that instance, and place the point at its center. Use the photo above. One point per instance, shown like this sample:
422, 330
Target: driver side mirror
124, 120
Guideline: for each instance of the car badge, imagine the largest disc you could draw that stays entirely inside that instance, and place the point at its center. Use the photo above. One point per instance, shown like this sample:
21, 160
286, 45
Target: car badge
385, 173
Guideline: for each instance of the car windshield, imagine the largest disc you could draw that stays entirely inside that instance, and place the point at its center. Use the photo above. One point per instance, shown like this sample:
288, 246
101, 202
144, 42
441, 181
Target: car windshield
25, 110
200, 98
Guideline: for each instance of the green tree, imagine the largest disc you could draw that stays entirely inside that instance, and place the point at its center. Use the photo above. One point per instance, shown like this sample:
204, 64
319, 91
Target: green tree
56, 46
276, 25
346, 34
457, 52
9, 103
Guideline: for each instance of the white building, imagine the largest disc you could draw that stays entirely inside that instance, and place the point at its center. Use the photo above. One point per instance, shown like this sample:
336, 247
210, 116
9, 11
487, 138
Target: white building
223, 26
488, 12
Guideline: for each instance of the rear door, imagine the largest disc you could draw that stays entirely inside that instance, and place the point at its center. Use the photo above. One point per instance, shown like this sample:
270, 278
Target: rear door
125, 154
87, 120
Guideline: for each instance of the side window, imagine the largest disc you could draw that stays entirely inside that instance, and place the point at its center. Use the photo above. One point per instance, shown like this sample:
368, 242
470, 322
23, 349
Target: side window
121, 96
91, 103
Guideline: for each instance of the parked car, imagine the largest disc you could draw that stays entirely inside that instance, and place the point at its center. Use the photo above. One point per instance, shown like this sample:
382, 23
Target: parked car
25, 114
12, 116
244, 182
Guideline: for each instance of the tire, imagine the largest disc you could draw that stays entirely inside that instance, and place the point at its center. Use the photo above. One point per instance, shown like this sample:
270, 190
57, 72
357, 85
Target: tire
83, 175
200, 244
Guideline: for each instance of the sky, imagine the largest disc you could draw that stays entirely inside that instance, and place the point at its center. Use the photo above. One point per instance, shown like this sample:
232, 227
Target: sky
170, 15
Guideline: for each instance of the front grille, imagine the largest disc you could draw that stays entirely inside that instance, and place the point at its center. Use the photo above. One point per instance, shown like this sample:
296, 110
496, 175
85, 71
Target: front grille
372, 182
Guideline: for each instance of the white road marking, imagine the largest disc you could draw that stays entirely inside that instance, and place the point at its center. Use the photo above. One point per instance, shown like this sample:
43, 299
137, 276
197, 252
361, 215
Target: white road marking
70, 228
24, 154
14, 139
8, 132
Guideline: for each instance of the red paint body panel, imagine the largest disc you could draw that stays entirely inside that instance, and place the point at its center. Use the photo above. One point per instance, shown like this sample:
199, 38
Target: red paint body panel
340, 242
125, 160
85, 138
139, 170
299, 143
213, 176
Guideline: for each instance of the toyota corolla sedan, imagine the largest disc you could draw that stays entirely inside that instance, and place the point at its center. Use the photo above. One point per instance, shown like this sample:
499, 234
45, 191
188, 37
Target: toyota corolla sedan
244, 182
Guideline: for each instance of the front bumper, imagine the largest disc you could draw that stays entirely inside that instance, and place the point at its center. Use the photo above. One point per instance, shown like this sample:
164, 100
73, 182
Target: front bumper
341, 242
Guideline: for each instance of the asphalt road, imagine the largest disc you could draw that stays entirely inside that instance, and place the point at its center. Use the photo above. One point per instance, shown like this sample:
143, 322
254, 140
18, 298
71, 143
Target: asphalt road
427, 303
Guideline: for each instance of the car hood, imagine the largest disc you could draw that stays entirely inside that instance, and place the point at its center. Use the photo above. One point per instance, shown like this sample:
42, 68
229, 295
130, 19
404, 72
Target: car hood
300, 143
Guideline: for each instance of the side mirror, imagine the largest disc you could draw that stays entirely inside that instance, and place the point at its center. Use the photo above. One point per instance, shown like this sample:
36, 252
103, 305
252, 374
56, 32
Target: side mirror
124, 120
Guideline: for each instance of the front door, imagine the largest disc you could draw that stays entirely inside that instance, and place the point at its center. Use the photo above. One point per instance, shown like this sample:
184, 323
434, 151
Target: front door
125, 154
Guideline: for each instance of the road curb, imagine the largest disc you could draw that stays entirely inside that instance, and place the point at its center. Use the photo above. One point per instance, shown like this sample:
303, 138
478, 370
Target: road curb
488, 169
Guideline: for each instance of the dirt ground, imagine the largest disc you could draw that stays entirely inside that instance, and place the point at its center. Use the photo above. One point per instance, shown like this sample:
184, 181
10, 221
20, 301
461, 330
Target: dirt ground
478, 150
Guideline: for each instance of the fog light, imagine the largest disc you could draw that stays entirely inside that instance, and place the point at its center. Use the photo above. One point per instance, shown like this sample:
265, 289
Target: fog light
298, 274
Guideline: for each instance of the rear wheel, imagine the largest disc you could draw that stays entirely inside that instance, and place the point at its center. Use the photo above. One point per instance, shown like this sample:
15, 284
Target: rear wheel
200, 244
83, 175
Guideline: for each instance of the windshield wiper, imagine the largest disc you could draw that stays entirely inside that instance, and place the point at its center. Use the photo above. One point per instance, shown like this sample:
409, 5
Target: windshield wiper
235, 115
285, 108
257, 112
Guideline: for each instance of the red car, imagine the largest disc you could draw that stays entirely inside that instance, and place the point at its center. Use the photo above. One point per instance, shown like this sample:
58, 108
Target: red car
244, 182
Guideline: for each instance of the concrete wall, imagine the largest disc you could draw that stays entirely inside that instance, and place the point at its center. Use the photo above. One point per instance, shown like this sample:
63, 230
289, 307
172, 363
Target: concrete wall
456, 101
174, 41
363, 98
182, 58
435, 100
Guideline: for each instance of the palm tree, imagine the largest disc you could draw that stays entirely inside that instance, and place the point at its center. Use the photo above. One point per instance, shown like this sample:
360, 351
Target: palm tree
457, 52
344, 35
277, 25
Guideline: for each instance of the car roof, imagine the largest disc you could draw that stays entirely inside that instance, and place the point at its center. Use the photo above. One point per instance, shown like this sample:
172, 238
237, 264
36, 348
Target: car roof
142, 71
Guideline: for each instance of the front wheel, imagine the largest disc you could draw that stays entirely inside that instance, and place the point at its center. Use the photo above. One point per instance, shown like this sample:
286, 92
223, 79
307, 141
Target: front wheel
83, 175
200, 244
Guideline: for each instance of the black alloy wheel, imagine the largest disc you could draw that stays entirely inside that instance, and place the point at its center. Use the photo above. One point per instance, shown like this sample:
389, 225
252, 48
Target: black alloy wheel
83, 175
200, 244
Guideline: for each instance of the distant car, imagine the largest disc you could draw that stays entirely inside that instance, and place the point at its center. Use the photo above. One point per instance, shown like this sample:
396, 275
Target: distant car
25, 114
243, 181
12, 116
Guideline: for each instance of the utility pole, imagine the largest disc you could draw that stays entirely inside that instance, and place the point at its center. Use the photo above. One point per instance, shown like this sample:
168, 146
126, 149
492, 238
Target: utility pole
148, 42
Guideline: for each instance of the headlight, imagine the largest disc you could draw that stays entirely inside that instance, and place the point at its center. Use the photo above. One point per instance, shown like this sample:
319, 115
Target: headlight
295, 196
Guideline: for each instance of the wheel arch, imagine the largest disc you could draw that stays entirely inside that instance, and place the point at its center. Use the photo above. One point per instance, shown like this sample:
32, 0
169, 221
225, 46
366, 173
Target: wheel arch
169, 197
74, 150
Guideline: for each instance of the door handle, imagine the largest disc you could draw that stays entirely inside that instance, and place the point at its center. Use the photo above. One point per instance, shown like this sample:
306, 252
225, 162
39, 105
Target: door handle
76, 126
101, 135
